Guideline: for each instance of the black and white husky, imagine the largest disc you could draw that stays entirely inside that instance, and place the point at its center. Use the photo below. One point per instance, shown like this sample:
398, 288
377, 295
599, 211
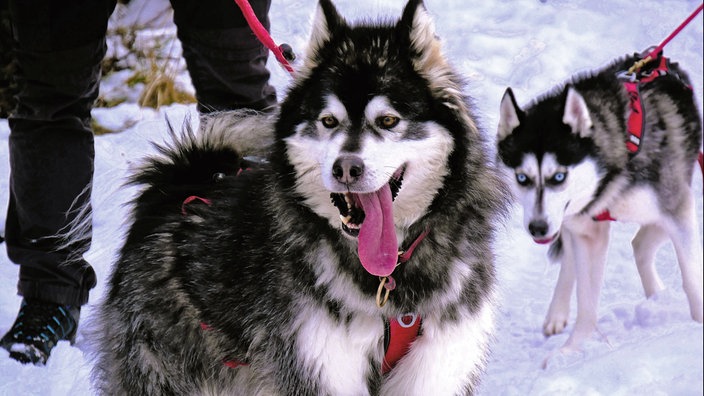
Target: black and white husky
598, 148
286, 278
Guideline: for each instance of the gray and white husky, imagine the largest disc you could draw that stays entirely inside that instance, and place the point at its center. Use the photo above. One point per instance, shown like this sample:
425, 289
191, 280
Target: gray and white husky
567, 157
286, 278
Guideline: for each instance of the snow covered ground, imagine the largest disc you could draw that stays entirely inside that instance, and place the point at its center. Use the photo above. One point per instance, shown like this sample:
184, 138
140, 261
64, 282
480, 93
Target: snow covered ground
649, 347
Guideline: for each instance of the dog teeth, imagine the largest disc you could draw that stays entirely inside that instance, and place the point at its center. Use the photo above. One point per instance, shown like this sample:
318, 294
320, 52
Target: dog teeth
346, 221
348, 200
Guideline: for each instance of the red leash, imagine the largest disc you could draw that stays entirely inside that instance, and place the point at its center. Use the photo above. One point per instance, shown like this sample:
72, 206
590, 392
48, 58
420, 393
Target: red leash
654, 53
662, 45
283, 53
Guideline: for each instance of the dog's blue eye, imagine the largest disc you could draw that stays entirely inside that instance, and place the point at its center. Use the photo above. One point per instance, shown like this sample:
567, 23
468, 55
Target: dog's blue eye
329, 121
558, 177
522, 179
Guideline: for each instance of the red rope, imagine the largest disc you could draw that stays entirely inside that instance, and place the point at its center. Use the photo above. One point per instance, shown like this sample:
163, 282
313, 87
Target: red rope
405, 256
262, 33
662, 45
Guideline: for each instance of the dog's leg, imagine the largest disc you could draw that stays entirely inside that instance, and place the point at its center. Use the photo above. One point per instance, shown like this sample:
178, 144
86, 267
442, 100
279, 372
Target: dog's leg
684, 232
588, 242
645, 244
559, 311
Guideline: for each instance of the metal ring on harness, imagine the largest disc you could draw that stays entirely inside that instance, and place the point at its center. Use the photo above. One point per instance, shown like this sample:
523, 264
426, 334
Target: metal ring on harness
380, 302
402, 320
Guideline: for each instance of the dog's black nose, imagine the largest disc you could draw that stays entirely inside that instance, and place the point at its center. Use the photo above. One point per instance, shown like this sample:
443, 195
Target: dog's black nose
348, 169
538, 228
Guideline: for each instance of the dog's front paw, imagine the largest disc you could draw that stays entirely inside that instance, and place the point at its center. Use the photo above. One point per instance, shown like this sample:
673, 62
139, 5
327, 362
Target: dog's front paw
554, 324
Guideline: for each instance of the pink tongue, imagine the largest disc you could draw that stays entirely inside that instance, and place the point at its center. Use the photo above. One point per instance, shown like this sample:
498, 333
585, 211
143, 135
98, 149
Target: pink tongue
378, 248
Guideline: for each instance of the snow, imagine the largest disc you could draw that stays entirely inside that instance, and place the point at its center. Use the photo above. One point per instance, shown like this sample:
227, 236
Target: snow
645, 346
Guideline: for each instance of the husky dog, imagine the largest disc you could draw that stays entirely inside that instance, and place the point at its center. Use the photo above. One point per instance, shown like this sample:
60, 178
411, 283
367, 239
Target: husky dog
283, 278
568, 160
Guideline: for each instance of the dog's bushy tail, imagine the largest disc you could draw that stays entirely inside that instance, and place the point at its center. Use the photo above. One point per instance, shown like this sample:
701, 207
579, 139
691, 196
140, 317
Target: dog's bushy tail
193, 162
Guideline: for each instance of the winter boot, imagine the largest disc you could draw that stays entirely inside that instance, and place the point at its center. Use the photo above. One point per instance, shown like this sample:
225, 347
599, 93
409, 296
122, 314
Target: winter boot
38, 328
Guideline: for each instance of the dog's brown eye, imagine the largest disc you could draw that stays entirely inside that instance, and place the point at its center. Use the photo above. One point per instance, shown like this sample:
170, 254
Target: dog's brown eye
329, 121
387, 121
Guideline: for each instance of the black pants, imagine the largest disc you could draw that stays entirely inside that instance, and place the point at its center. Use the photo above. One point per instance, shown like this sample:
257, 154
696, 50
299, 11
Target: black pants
59, 48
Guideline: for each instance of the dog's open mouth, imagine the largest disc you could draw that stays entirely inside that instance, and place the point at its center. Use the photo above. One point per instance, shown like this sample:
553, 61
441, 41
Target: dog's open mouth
351, 208
369, 217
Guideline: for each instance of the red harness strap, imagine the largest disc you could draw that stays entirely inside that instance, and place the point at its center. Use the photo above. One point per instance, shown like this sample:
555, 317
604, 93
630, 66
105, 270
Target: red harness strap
190, 200
603, 216
231, 363
636, 117
400, 332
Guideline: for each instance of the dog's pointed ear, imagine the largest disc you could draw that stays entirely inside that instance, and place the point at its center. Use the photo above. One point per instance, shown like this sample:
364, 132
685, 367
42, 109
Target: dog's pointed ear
509, 115
325, 22
416, 31
418, 28
416, 19
576, 113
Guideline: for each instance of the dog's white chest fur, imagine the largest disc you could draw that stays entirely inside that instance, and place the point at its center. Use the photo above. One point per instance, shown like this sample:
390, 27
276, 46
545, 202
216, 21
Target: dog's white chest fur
638, 205
338, 351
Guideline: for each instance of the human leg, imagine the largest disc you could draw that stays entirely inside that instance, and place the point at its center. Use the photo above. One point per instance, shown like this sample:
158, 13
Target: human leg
59, 49
226, 62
